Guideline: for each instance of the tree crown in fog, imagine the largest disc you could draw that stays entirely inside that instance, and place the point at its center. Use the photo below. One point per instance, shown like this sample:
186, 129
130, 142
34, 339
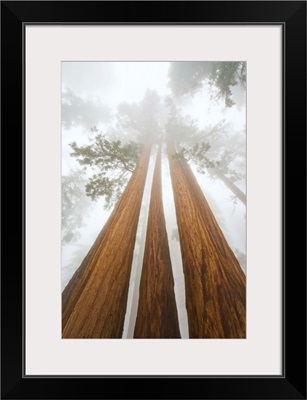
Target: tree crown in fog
220, 77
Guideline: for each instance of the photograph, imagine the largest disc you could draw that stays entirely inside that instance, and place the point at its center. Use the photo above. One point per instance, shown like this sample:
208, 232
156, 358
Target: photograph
160, 146
153, 197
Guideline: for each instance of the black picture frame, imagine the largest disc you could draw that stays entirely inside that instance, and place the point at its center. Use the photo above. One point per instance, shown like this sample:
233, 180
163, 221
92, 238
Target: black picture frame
15, 15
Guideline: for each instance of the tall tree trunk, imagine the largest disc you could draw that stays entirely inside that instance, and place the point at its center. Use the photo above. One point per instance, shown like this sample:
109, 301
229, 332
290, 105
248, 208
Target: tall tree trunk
94, 303
228, 182
214, 281
157, 313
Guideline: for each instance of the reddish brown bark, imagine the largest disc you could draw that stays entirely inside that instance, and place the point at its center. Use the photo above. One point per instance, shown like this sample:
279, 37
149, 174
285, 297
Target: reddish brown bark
94, 303
157, 313
214, 281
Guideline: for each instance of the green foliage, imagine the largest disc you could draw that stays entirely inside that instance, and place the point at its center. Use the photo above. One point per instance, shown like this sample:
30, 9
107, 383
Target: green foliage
226, 165
111, 163
225, 75
222, 163
221, 77
197, 153
212, 150
110, 160
186, 77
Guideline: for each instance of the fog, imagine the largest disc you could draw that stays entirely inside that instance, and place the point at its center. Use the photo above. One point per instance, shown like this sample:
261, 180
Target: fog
92, 98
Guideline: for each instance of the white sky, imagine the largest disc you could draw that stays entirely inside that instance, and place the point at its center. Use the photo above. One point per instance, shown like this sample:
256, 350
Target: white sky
114, 82
111, 83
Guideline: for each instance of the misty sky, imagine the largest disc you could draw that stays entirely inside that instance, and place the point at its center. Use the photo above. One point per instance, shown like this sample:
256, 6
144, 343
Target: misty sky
91, 93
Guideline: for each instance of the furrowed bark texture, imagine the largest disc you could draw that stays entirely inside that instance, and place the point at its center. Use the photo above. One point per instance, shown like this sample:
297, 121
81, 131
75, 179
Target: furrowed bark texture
96, 298
157, 313
214, 281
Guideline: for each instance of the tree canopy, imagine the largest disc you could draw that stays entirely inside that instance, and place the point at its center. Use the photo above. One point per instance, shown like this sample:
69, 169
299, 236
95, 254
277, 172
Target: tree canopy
111, 157
112, 163
214, 150
142, 121
197, 129
221, 77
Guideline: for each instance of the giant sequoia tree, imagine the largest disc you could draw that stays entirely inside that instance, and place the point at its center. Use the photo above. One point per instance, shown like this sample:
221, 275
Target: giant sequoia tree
94, 301
214, 280
157, 313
